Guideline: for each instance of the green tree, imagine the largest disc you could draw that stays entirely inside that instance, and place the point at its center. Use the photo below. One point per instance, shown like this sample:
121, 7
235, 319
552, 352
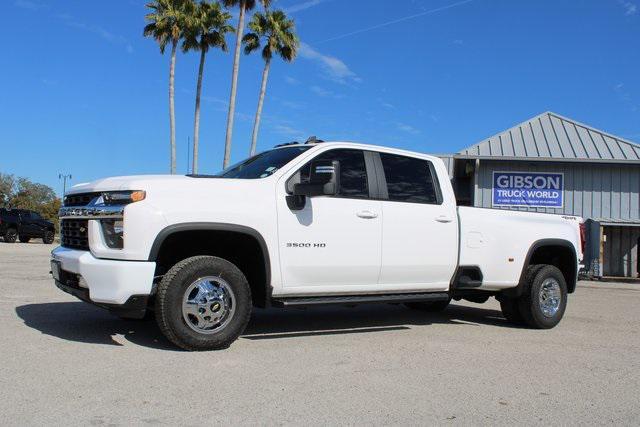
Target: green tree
21, 193
7, 187
167, 23
244, 6
207, 28
276, 33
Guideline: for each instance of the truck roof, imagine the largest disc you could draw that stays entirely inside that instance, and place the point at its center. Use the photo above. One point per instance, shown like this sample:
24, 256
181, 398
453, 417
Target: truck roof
362, 146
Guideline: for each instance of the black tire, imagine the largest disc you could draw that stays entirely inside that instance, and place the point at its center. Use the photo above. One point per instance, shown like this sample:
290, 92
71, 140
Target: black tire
529, 303
171, 291
510, 311
48, 237
511, 306
24, 239
10, 235
431, 307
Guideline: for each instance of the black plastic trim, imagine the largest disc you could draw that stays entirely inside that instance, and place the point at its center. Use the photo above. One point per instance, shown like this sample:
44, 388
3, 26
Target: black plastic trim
517, 291
457, 283
135, 307
359, 299
217, 226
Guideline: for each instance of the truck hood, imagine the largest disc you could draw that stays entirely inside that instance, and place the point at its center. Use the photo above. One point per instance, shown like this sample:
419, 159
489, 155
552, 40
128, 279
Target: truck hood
177, 188
133, 182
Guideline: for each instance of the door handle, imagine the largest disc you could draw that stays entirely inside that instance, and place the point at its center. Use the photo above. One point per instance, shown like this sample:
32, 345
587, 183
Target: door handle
443, 218
367, 214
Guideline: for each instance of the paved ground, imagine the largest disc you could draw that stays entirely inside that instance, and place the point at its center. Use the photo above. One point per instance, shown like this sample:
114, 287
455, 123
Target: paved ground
65, 362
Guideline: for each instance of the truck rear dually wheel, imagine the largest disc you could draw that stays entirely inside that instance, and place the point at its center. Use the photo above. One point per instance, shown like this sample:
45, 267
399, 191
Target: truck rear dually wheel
203, 303
543, 303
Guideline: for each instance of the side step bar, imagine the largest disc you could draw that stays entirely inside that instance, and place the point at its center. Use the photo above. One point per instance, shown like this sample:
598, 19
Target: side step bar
359, 299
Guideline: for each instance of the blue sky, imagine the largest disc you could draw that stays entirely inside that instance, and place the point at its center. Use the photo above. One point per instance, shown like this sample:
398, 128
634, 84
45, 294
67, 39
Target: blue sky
83, 92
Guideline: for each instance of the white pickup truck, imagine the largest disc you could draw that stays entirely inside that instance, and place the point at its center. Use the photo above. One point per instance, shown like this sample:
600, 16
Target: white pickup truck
302, 225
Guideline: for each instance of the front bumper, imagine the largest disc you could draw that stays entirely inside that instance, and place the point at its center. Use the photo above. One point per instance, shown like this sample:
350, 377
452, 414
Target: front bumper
103, 282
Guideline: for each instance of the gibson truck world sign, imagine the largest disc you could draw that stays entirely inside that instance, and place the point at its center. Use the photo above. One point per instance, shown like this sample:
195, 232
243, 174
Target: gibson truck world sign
529, 189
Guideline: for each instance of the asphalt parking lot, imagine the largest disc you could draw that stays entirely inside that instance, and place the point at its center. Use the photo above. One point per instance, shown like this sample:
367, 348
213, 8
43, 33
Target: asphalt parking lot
65, 362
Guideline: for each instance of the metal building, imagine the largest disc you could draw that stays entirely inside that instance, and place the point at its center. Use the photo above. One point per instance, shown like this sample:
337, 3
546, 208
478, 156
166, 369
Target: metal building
556, 165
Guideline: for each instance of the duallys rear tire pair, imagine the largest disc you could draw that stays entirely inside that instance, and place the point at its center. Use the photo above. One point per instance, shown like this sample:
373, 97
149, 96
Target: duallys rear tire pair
543, 301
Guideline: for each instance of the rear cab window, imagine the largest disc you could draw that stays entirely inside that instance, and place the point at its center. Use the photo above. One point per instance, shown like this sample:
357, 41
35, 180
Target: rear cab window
410, 180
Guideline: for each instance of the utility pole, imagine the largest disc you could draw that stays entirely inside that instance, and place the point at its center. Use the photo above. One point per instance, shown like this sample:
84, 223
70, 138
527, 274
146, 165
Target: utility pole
64, 178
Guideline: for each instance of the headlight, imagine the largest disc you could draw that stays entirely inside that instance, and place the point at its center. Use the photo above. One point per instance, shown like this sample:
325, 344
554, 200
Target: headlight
112, 230
123, 197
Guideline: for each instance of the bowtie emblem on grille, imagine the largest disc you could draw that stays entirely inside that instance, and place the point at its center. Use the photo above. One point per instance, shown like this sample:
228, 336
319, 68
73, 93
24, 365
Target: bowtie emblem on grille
82, 229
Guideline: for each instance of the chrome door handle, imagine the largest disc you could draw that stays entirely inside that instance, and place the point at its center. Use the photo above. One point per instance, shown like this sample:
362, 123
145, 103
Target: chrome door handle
367, 214
443, 218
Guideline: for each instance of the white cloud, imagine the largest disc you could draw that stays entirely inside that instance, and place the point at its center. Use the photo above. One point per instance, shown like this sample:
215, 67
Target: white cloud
292, 105
303, 6
407, 128
97, 30
320, 91
334, 68
30, 5
387, 105
289, 131
629, 7
291, 80
459, 42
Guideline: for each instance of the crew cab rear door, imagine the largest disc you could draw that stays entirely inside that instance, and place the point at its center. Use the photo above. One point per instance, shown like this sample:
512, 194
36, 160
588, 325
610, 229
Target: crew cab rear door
420, 228
334, 241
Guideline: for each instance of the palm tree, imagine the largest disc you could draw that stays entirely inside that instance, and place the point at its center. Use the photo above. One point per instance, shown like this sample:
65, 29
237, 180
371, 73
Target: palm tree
167, 22
277, 33
207, 28
244, 6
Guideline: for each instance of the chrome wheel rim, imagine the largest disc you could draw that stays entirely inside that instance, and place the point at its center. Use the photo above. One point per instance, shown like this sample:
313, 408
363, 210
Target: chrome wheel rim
208, 305
550, 297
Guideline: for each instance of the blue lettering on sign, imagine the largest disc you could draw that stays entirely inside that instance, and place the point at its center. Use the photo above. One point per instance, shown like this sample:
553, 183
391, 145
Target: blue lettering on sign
531, 189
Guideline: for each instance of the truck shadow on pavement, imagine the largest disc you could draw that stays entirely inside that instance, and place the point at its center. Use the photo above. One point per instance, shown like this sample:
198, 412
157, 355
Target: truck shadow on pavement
80, 322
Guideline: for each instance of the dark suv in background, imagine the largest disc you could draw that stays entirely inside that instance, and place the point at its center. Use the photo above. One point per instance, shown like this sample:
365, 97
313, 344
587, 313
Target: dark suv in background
25, 225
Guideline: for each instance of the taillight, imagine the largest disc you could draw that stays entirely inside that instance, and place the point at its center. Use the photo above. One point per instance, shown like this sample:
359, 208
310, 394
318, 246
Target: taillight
583, 236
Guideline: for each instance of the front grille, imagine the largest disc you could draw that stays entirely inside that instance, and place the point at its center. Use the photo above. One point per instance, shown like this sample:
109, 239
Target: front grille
81, 199
74, 234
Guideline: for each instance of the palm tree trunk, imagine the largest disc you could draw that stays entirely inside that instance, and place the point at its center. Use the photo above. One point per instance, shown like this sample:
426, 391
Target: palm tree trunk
263, 90
196, 121
172, 112
234, 85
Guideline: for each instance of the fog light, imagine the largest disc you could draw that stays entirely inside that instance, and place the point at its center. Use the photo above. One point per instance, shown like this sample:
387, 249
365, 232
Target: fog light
113, 230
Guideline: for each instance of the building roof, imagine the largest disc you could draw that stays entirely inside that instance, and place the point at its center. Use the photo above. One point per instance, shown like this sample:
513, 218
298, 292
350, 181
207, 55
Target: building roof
551, 137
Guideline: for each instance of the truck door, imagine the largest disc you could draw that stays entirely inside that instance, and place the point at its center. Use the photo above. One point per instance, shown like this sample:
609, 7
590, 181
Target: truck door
420, 231
334, 240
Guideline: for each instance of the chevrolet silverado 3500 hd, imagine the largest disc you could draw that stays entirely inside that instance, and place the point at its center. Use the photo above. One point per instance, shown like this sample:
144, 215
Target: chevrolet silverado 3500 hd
301, 225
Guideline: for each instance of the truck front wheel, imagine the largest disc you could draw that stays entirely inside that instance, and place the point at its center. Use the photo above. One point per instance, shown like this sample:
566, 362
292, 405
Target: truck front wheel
544, 300
203, 303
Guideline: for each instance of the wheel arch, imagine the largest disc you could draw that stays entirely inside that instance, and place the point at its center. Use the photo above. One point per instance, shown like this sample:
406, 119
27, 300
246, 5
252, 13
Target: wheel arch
201, 238
558, 252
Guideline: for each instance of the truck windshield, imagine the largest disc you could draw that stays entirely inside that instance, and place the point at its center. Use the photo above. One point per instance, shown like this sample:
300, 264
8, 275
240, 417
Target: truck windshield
264, 164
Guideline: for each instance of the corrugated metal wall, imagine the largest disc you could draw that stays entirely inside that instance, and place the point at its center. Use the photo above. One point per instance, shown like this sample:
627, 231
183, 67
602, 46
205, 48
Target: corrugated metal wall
591, 190
620, 251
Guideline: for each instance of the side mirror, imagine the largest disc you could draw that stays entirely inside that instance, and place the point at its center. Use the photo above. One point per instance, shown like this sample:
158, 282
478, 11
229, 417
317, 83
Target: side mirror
324, 180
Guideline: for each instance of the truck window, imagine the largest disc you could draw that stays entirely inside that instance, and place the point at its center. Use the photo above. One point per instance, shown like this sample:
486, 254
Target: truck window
264, 164
353, 172
409, 179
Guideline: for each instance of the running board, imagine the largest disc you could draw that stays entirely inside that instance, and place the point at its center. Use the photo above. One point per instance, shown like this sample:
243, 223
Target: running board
359, 299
